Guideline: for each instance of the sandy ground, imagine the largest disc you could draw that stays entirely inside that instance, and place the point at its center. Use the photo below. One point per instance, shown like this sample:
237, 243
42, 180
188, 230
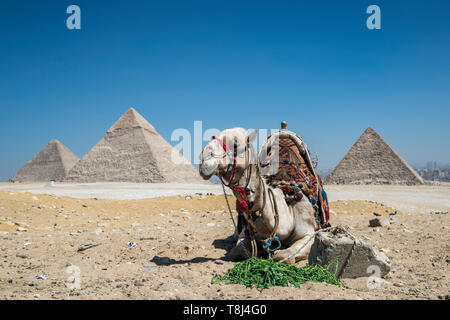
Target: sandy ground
181, 241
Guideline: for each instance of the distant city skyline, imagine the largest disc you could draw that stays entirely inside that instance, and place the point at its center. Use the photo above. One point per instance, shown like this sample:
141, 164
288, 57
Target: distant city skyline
229, 63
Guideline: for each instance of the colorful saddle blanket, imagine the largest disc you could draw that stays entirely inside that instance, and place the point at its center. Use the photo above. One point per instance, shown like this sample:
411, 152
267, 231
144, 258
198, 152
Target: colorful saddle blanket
295, 178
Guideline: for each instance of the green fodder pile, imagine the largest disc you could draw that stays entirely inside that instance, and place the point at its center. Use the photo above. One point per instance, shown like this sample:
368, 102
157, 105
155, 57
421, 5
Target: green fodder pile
265, 273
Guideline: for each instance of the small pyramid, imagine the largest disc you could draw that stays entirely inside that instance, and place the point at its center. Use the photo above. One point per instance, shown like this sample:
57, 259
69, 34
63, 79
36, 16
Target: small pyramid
133, 151
372, 161
52, 163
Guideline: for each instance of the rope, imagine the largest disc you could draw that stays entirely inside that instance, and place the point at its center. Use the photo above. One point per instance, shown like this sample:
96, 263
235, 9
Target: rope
276, 216
252, 236
254, 245
229, 209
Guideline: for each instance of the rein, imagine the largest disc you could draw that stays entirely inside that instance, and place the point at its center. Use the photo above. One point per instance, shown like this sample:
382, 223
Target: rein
243, 191
244, 204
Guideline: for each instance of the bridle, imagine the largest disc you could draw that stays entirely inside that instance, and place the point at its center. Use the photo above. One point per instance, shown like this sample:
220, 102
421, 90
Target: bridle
242, 191
245, 191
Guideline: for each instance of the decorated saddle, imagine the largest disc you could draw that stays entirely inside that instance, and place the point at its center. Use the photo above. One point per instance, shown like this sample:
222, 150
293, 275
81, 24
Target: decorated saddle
286, 164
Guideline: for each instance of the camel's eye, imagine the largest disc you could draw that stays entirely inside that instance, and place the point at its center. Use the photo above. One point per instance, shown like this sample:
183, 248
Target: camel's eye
208, 155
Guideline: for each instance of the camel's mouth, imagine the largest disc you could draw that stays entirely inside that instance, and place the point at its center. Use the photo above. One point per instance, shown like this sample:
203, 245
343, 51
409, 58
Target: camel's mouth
205, 176
207, 169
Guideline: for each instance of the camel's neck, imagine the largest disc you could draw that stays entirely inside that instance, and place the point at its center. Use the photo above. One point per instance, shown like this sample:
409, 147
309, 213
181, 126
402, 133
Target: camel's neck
258, 199
248, 178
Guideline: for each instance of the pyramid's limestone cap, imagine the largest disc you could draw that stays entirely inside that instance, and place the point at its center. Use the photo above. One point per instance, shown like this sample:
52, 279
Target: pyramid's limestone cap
370, 133
55, 142
132, 119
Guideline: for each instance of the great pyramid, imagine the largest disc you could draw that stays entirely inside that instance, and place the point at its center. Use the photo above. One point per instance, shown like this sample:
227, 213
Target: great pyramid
372, 161
53, 162
133, 151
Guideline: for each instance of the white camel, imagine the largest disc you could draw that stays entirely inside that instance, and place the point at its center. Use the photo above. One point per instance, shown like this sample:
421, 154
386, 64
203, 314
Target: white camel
231, 157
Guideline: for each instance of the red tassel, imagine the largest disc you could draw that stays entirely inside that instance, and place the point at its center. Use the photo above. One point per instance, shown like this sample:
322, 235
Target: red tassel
243, 205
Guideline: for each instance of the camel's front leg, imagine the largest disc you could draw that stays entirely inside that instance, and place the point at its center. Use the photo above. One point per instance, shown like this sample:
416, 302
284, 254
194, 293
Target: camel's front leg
241, 224
292, 254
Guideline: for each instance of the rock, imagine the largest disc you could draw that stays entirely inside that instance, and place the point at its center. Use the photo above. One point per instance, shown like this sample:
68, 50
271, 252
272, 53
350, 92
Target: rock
379, 222
138, 283
345, 256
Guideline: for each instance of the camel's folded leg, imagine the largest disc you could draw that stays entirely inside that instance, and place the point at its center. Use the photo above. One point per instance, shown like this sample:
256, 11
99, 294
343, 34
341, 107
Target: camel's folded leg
241, 251
239, 228
292, 254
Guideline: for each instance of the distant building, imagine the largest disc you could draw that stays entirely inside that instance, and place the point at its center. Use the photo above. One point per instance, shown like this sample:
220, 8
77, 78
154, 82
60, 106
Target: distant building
435, 174
432, 165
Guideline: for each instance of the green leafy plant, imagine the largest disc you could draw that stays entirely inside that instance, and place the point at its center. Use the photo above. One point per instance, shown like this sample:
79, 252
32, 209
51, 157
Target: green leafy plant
265, 273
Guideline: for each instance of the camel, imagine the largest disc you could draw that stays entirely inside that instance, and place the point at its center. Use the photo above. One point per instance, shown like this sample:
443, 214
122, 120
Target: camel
263, 211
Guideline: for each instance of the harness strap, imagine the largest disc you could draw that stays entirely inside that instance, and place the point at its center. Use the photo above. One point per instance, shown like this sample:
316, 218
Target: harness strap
224, 145
276, 215
242, 191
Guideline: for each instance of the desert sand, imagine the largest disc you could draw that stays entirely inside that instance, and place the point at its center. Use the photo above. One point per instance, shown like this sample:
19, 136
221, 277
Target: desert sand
180, 242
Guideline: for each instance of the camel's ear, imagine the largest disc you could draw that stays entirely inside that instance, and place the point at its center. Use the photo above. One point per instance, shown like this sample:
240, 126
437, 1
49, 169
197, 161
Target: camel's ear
252, 136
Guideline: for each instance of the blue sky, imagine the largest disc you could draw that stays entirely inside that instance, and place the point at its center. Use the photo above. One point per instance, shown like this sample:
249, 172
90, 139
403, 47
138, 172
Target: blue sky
227, 63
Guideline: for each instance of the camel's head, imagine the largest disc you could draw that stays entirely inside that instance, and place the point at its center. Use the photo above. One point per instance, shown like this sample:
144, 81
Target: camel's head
218, 154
